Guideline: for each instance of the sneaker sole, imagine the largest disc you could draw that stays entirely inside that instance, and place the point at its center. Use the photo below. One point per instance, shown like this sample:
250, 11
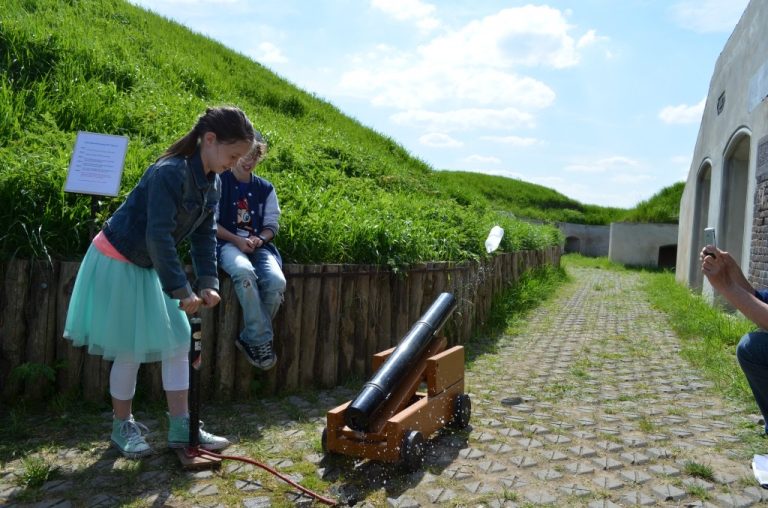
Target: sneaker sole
255, 364
132, 455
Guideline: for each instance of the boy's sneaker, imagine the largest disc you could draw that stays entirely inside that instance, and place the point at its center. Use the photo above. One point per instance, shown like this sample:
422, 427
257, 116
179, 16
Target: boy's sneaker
261, 356
178, 435
127, 437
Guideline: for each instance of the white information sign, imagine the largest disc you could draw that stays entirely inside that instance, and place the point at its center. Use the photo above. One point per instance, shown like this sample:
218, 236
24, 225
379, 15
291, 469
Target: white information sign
97, 164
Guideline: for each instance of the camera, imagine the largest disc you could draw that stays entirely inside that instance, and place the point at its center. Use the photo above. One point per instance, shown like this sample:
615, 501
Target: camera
710, 239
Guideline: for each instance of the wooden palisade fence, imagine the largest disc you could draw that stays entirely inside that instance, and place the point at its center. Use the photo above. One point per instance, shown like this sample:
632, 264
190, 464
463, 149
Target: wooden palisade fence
333, 319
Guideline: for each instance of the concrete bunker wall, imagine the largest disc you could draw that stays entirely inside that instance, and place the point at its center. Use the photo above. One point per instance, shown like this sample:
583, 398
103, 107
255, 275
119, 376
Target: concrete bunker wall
638, 244
727, 182
585, 239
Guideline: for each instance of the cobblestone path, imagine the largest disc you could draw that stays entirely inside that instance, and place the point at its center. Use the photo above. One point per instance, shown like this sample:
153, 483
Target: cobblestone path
590, 405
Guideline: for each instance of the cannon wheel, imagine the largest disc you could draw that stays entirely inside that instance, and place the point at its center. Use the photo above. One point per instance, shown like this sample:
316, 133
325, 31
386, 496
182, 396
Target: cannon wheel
462, 410
412, 451
324, 440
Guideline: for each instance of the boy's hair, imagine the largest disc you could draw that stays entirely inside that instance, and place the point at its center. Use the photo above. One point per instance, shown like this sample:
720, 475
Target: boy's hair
258, 149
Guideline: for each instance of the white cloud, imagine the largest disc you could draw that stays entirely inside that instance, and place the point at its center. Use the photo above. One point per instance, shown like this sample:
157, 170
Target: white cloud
268, 53
482, 159
615, 163
398, 83
475, 65
512, 140
590, 38
682, 114
530, 35
707, 16
439, 140
409, 10
465, 119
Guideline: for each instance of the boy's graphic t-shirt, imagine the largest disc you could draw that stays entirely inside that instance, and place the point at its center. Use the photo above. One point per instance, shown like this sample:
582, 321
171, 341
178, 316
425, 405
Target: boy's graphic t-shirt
244, 218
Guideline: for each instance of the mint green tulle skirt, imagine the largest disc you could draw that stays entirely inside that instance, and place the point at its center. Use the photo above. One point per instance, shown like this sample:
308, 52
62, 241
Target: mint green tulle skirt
119, 310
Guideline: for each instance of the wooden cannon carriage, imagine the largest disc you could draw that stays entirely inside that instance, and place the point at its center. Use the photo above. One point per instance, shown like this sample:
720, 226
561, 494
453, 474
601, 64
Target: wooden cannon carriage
393, 415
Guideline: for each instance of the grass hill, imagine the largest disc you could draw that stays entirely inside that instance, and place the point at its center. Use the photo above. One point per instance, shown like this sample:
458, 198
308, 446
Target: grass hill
528, 200
522, 199
348, 193
662, 207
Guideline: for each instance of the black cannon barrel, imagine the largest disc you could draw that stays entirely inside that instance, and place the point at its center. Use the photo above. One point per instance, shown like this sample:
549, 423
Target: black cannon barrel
373, 394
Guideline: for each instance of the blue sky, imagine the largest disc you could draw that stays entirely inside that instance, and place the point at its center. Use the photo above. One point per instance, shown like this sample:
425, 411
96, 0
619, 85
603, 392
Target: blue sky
598, 99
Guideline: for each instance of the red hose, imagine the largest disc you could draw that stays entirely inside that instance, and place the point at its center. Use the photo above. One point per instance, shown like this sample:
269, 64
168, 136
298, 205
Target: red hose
204, 452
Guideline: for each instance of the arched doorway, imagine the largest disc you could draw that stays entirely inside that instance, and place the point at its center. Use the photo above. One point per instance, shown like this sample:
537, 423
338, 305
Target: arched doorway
572, 244
667, 256
700, 221
734, 202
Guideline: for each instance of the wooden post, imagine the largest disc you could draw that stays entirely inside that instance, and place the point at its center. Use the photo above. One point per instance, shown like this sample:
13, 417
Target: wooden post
68, 378
228, 329
371, 325
429, 294
383, 313
327, 347
288, 349
150, 382
96, 379
360, 306
309, 324
13, 329
400, 305
346, 357
416, 276
40, 314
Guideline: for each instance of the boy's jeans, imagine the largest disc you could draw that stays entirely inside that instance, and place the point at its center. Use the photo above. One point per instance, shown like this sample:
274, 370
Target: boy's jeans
752, 353
259, 285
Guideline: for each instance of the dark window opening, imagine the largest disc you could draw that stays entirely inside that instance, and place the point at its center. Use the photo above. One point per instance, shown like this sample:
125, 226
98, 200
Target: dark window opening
667, 256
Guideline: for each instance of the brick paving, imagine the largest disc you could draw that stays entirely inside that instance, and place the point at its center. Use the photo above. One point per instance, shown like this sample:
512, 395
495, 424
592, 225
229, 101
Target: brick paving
591, 405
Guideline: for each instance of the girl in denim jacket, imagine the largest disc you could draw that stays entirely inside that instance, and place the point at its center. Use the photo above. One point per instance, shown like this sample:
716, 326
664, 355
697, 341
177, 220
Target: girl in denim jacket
131, 293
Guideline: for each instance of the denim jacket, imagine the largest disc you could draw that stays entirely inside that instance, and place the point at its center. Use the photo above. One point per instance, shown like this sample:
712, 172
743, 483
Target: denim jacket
172, 201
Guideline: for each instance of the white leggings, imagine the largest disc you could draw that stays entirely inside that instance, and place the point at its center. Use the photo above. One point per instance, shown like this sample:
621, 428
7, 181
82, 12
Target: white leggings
122, 377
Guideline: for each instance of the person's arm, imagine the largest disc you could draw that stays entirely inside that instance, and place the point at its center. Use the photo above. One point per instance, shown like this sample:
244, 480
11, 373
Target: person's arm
735, 272
271, 220
164, 191
721, 271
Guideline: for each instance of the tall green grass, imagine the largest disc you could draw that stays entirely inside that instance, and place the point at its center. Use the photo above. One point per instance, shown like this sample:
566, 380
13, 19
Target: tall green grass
663, 207
348, 193
709, 334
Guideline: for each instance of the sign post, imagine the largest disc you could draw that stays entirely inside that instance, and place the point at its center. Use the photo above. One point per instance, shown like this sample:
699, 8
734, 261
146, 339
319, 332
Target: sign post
96, 168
